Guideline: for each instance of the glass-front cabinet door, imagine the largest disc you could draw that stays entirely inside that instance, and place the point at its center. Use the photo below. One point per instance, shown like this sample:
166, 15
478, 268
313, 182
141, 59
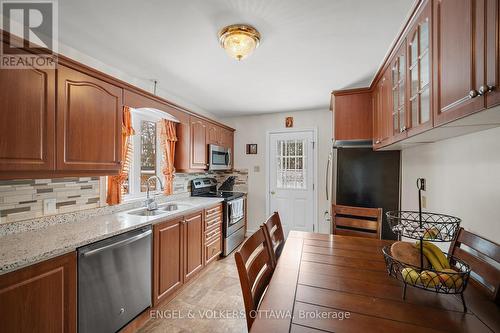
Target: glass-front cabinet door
419, 69
399, 100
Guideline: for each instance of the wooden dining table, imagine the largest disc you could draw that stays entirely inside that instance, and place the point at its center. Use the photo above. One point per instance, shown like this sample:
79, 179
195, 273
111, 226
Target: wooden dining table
340, 284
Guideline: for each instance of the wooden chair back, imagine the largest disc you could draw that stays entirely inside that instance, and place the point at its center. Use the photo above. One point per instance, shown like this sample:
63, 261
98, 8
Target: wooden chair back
275, 236
255, 270
357, 221
478, 262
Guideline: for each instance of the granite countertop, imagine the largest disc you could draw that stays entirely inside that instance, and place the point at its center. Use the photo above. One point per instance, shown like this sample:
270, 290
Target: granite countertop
26, 248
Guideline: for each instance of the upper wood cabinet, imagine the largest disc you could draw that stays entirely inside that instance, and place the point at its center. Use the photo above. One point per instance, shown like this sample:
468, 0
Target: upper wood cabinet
226, 138
399, 93
459, 53
193, 244
419, 53
352, 115
89, 121
198, 128
168, 268
40, 298
214, 134
27, 120
383, 107
492, 25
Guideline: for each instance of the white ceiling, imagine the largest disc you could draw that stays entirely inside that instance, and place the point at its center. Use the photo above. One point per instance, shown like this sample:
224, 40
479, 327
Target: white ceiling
308, 48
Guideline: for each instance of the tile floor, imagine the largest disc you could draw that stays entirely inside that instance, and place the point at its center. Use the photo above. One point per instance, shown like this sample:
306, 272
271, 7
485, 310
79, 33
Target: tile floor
216, 292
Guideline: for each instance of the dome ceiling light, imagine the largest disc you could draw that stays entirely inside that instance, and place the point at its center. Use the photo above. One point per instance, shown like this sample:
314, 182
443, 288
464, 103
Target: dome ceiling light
239, 40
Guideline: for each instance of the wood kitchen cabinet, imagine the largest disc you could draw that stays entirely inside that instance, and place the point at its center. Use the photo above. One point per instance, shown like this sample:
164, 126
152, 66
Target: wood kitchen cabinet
198, 128
168, 264
492, 52
40, 298
214, 134
27, 120
193, 245
89, 121
383, 111
352, 114
459, 52
213, 233
398, 93
419, 53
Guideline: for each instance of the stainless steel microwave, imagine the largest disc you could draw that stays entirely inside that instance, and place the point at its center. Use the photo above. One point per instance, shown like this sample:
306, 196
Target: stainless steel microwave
219, 158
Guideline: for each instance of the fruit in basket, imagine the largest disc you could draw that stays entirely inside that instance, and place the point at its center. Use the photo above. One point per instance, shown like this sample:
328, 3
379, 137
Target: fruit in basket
429, 279
410, 276
406, 253
451, 280
434, 254
431, 233
425, 278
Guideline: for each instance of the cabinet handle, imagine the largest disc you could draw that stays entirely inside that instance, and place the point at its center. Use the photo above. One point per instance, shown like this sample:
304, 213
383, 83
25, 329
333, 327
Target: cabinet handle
473, 93
377, 142
484, 89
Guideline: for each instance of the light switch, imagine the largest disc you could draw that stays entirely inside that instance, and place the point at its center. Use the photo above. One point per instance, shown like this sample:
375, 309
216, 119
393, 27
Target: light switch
49, 206
256, 168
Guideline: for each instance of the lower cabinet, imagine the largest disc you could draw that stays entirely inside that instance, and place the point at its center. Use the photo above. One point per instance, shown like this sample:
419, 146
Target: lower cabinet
193, 236
168, 269
182, 247
40, 298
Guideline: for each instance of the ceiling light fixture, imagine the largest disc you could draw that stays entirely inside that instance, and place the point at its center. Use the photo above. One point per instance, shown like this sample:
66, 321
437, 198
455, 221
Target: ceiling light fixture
239, 40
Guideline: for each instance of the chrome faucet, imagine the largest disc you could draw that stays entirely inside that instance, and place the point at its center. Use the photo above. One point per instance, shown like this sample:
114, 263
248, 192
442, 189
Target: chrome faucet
150, 203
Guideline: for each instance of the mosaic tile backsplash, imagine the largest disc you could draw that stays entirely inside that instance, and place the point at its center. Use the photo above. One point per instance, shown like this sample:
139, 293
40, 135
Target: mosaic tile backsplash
23, 199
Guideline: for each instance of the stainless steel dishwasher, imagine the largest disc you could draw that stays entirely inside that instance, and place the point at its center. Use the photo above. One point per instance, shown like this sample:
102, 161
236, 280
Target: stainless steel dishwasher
114, 281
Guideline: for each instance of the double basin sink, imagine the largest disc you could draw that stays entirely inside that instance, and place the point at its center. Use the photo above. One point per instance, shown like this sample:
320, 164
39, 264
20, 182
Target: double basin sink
163, 209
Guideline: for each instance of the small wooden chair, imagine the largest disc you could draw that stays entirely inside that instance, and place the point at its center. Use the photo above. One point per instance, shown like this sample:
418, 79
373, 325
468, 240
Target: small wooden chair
357, 221
255, 270
483, 249
275, 236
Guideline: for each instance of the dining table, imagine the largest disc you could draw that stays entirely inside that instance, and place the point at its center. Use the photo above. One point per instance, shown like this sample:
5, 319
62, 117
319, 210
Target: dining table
332, 283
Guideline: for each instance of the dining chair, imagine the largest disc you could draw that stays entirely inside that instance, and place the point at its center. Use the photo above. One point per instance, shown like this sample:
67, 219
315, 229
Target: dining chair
482, 256
357, 221
255, 270
273, 231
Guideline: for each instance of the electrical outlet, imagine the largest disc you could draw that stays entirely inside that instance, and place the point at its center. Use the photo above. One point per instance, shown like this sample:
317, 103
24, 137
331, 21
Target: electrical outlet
49, 206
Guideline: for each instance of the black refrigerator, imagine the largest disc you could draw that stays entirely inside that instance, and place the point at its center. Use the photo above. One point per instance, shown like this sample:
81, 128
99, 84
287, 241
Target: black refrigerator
366, 178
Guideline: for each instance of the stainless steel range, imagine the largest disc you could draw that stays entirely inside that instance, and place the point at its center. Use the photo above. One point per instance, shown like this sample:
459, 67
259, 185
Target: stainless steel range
233, 226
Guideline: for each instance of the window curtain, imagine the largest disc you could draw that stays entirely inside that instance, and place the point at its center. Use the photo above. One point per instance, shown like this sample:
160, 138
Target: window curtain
168, 137
114, 195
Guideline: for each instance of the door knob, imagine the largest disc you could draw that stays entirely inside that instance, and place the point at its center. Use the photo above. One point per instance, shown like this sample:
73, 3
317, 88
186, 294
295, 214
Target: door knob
473, 93
483, 90
273, 193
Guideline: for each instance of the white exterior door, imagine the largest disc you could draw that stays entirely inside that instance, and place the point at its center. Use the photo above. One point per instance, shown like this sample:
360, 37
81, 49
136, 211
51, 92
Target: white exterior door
291, 179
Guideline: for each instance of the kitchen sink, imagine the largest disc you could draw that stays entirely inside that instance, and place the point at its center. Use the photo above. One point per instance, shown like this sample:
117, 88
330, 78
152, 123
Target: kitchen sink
145, 212
172, 207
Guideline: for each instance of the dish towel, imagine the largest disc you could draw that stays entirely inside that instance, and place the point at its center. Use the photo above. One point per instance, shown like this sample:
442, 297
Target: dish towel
237, 209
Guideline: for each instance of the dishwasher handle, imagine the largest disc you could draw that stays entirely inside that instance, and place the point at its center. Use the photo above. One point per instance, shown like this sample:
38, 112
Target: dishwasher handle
117, 244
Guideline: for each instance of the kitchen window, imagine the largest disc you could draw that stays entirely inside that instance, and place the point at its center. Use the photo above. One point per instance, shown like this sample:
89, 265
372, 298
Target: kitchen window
145, 156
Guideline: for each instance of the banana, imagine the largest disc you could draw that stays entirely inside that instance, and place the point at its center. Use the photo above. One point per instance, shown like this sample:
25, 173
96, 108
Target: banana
438, 254
435, 262
424, 278
431, 233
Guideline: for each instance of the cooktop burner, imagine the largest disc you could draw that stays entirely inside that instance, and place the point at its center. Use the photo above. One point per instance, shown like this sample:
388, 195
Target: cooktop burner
221, 194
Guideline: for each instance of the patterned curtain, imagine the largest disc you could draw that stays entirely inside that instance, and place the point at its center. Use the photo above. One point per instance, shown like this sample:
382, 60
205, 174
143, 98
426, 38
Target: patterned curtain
114, 195
168, 137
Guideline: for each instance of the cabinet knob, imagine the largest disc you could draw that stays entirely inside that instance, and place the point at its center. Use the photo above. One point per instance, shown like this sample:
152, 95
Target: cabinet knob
473, 93
377, 142
484, 89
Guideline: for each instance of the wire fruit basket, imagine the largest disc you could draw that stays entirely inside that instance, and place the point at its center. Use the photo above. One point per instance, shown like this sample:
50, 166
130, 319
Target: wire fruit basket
437, 271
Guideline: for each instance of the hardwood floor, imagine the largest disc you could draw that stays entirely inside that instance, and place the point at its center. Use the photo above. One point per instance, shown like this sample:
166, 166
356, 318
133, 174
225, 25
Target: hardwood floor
199, 307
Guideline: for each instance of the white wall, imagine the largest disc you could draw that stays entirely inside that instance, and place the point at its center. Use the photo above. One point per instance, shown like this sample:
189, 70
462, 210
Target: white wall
463, 179
252, 129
